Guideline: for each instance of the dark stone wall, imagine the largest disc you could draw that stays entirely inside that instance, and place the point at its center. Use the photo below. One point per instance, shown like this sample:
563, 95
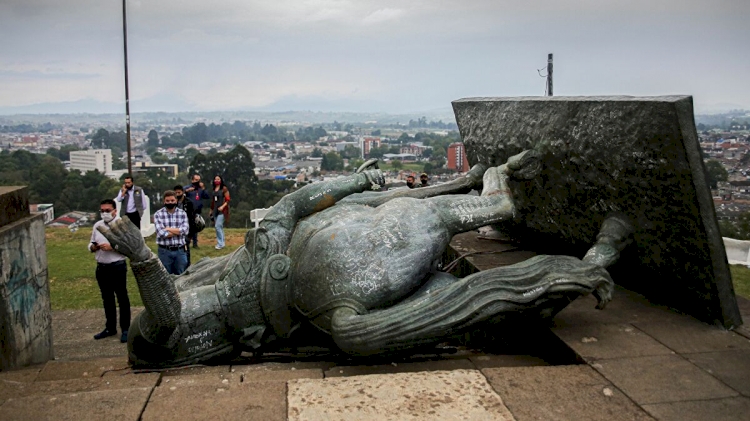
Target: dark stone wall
14, 204
25, 313
639, 156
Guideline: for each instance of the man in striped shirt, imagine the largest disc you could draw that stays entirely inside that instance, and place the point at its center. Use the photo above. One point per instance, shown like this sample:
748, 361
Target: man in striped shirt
171, 230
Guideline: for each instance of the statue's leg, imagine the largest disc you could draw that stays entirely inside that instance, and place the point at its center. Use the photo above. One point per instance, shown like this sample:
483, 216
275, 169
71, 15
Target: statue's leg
461, 213
465, 184
540, 286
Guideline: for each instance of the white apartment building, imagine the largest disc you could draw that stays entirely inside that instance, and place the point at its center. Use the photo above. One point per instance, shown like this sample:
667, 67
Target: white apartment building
92, 159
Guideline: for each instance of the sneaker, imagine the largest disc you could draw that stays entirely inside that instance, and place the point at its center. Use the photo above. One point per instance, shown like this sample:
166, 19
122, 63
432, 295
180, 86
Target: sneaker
195, 246
104, 333
219, 247
124, 337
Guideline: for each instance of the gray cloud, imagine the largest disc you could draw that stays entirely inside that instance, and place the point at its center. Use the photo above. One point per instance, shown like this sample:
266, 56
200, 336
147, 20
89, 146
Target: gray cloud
396, 55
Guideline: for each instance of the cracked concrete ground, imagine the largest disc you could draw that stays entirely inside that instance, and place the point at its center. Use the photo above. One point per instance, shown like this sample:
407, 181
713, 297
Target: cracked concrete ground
632, 361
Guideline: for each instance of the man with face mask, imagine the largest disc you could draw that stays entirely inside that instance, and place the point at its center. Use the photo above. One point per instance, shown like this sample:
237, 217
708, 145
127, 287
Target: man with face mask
171, 230
410, 182
423, 180
111, 272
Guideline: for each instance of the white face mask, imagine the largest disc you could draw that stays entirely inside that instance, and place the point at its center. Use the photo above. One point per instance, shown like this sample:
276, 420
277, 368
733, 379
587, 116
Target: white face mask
107, 217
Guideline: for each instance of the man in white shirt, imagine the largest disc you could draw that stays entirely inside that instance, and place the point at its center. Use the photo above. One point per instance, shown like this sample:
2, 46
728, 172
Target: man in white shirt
133, 200
111, 275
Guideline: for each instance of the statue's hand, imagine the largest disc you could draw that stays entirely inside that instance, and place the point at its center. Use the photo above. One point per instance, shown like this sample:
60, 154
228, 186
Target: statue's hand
374, 177
371, 163
126, 239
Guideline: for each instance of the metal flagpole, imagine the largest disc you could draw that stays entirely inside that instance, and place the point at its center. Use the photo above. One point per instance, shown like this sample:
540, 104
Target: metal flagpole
127, 90
549, 74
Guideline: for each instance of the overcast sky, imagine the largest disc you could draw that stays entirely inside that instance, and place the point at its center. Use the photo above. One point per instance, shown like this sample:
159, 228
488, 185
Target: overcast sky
369, 55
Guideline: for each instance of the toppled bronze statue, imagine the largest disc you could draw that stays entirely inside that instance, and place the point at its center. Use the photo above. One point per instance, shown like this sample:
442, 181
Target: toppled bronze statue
363, 272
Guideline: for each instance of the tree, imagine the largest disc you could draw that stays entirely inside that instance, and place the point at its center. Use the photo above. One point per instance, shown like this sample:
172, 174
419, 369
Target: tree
332, 162
153, 138
317, 153
46, 180
158, 158
397, 165
715, 172
100, 139
237, 169
63, 154
351, 152
375, 132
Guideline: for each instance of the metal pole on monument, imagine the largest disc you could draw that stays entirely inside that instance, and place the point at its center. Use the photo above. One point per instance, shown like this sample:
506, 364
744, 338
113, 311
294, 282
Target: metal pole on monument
549, 74
127, 91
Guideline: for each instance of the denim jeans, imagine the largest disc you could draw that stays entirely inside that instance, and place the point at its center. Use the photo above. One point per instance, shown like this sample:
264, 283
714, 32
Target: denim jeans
174, 261
219, 225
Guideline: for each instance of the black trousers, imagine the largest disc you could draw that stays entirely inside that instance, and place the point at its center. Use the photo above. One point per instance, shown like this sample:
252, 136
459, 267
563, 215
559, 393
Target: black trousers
112, 280
135, 217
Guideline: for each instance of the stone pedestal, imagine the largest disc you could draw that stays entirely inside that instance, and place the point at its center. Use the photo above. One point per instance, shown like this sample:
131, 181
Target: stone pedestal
25, 313
638, 156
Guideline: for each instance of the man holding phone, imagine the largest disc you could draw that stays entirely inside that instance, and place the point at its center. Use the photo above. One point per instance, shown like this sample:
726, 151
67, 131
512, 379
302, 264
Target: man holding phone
111, 275
133, 200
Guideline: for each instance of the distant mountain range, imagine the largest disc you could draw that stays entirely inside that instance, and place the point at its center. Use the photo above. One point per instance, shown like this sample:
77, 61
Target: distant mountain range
289, 109
311, 110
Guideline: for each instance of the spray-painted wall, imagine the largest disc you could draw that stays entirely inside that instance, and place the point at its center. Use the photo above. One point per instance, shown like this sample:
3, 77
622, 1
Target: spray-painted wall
25, 314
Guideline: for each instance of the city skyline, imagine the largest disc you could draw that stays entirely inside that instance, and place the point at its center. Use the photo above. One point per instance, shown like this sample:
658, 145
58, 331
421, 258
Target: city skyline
365, 56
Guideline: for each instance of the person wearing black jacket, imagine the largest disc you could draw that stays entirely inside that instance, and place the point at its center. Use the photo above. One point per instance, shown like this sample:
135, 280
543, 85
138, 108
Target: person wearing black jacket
187, 206
196, 193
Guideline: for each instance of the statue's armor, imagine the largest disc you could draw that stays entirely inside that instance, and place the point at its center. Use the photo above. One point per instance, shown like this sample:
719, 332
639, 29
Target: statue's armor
363, 258
237, 290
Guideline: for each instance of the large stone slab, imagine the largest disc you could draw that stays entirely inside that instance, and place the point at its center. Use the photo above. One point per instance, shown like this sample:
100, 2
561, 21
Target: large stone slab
638, 156
412, 367
663, 378
25, 313
731, 367
731, 409
572, 393
601, 341
57, 387
63, 370
690, 336
123, 405
252, 402
447, 395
